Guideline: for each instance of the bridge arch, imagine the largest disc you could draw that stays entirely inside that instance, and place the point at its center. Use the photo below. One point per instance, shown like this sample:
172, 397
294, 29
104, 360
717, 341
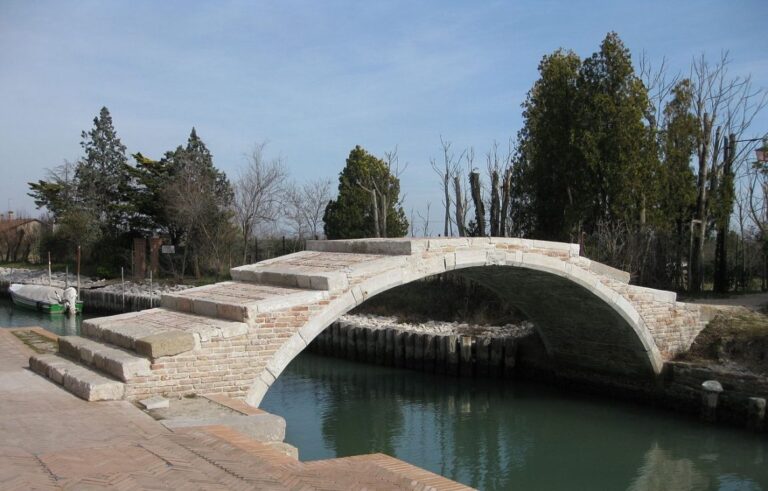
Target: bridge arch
584, 311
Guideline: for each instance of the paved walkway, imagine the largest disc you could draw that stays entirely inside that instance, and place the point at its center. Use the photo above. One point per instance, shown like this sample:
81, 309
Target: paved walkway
50, 439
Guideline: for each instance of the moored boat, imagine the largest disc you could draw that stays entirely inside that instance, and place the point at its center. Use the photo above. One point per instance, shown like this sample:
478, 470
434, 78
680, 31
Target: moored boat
46, 298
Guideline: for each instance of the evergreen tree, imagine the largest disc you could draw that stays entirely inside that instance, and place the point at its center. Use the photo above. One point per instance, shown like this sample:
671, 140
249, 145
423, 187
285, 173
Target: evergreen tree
197, 199
100, 175
678, 196
617, 147
549, 184
353, 214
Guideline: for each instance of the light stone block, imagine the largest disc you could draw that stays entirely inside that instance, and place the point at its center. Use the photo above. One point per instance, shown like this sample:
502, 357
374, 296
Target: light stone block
156, 402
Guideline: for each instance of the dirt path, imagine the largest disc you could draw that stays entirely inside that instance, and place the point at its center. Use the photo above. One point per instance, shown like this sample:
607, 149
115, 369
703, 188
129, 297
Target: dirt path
754, 301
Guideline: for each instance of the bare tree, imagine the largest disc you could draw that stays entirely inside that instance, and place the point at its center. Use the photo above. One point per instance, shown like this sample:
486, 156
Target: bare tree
725, 108
258, 193
659, 86
306, 205
477, 199
425, 220
462, 203
450, 167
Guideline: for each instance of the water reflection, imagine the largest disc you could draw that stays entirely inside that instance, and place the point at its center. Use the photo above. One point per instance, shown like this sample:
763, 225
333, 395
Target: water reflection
499, 435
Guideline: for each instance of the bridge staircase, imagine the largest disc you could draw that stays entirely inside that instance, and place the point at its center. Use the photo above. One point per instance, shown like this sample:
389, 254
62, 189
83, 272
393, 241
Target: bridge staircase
120, 350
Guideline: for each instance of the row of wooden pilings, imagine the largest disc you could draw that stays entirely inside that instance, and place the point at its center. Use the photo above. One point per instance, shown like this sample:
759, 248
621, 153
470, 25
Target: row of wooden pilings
451, 354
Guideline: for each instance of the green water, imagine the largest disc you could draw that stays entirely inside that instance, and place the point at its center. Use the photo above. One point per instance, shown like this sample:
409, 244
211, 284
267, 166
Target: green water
493, 434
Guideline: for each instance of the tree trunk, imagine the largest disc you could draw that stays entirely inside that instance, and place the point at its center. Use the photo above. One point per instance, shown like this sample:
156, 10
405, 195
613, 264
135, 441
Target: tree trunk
725, 196
384, 206
462, 229
697, 249
375, 205
506, 186
447, 198
495, 203
246, 233
477, 199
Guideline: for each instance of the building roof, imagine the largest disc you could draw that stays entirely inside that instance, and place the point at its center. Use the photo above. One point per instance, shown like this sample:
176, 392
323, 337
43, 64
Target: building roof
7, 225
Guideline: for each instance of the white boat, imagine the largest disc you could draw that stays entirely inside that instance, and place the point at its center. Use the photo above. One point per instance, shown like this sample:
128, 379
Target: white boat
46, 298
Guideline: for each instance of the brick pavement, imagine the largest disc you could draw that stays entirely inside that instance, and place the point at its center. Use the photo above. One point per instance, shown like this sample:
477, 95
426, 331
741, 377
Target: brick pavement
53, 440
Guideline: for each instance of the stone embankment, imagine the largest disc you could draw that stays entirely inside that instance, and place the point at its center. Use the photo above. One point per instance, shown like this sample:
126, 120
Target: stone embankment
99, 295
439, 347
516, 351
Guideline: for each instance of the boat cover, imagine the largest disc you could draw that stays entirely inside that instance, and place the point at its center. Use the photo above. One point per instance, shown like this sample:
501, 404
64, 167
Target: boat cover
38, 293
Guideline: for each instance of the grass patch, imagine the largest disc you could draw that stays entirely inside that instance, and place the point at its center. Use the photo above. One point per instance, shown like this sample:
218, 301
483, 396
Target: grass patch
735, 340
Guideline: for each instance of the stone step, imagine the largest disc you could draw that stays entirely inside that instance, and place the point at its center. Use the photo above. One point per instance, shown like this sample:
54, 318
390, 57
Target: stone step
239, 301
117, 362
290, 277
77, 379
160, 332
133, 332
312, 270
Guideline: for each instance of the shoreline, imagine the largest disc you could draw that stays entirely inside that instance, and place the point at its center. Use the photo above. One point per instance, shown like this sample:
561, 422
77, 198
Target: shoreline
100, 296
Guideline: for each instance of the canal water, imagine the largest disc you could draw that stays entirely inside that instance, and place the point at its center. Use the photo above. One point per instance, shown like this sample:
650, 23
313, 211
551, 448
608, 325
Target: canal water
60, 324
494, 434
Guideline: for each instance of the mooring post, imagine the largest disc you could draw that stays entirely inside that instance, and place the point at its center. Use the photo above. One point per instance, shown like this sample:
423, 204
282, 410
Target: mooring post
418, 351
711, 390
510, 355
410, 341
496, 365
465, 349
483, 355
350, 334
399, 348
451, 354
381, 345
360, 335
756, 413
429, 352
389, 346
335, 345
370, 344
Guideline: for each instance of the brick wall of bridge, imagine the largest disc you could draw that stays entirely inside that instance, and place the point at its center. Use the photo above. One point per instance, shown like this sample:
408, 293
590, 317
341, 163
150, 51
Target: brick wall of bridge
232, 365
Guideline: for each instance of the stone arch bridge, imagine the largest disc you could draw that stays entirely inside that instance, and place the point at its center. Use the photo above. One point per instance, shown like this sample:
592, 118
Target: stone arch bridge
236, 337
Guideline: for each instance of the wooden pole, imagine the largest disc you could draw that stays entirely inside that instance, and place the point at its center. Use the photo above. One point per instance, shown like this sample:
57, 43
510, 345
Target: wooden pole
150, 288
78, 272
122, 282
49, 268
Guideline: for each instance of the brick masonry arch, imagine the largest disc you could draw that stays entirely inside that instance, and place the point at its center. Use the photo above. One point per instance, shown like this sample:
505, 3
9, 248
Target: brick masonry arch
236, 337
588, 316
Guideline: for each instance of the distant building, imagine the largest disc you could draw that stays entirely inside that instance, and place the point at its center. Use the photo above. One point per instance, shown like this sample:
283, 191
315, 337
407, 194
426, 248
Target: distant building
17, 237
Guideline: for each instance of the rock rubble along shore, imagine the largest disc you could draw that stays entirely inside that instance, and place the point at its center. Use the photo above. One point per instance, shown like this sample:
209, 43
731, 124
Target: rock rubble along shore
40, 277
98, 294
369, 321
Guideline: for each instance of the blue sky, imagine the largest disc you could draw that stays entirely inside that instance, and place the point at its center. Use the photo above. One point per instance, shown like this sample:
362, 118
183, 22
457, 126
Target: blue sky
317, 78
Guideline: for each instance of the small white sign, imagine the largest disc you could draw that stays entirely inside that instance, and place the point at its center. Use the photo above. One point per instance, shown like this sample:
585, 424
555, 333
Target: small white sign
168, 249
